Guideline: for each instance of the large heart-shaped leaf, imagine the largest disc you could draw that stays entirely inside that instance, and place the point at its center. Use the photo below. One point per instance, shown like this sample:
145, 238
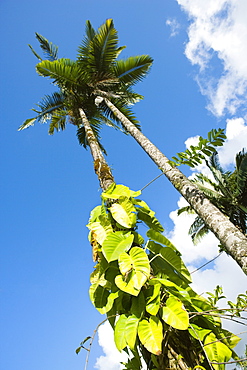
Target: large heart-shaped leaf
174, 314
115, 244
216, 350
99, 231
124, 213
101, 298
131, 331
135, 271
171, 258
131, 284
117, 191
119, 332
151, 334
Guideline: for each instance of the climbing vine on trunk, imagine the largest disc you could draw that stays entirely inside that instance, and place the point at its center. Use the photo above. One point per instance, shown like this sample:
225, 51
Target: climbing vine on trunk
143, 287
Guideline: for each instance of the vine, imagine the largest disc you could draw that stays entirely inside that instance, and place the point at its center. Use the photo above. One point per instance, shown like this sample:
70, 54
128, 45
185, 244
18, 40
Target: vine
143, 287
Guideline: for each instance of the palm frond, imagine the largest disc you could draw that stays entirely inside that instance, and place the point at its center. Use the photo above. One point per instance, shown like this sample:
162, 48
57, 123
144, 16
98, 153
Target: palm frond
241, 173
197, 237
196, 225
133, 69
214, 162
187, 209
48, 105
58, 121
63, 72
209, 192
99, 50
124, 109
34, 52
49, 49
203, 179
81, 135
27, 123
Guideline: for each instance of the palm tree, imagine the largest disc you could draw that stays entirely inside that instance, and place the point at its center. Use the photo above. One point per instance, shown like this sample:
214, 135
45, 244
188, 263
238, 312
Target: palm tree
228, 192
79, 84
101, 85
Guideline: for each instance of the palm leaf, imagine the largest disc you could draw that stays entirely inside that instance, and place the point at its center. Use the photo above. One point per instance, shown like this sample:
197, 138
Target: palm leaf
196, 238
49, 49
133, 69
241, 166
187, 209
48, 105
63, 72
124, 109
196, 225
58, 121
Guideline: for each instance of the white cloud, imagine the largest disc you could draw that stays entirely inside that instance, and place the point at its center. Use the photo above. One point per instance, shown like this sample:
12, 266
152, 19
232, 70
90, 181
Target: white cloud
174, 26
218, 40
112, 358
236, 132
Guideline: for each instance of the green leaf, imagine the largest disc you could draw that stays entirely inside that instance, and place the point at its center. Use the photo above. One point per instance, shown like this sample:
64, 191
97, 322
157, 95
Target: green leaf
135, 271
228, 338
115, 243
150, 220
119, 332
216, 351
174, 315
101, 298
171, 258
94, 214
151, 334
29, 122
122, 216
117, 191
100, 231
160, 238
153, 301
131, 331
138, 305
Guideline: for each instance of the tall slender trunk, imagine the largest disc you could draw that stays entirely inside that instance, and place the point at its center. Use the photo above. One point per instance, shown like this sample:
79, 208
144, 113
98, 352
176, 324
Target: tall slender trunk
230, 237
100, 166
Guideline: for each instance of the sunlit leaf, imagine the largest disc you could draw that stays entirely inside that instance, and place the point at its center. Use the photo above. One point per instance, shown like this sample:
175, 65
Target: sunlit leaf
122, 216
160, 238
115, 243
175, 315
119, 332
151, 334
100, 232
216, 350
153, 301
171, 258
131, 331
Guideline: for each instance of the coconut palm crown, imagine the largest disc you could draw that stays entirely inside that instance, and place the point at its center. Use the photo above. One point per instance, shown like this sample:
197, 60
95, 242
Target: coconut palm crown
95, 73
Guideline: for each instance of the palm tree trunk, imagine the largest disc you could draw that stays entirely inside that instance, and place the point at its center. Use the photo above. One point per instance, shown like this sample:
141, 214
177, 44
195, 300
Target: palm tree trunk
100, 166
230, 237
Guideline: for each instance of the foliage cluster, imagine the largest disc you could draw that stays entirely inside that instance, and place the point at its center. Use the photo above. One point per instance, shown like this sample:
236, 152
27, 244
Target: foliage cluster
144, 288
227, 190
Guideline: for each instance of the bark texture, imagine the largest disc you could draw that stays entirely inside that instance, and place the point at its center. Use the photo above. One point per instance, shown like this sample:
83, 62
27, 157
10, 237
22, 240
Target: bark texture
101, 168
234, 241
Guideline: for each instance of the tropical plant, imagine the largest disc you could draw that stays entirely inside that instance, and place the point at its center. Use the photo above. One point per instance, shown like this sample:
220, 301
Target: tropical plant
97, 77
227, 191
95, 71
144, 289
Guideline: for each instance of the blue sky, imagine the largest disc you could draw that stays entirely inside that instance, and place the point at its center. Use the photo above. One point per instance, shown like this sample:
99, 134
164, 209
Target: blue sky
198, 82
